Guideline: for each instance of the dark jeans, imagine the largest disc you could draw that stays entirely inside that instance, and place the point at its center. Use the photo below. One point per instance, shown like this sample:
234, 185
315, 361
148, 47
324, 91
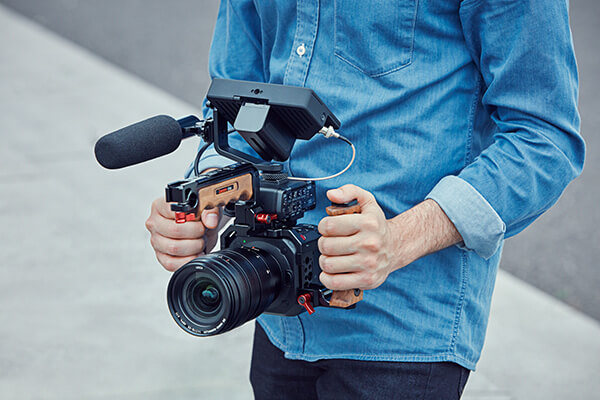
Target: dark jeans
275, 377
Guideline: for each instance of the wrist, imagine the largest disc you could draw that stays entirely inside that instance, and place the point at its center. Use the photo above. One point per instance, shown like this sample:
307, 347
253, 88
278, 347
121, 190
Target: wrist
422, 230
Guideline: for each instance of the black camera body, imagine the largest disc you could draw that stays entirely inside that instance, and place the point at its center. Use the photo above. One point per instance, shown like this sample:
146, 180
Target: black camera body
270, 224
268, 263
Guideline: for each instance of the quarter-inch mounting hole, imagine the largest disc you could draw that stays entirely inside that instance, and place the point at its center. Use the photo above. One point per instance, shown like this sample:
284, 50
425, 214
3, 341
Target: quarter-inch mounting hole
191, 198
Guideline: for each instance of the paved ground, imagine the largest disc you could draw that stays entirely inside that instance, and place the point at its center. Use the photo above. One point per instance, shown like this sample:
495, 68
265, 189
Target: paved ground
167, 43
82, 309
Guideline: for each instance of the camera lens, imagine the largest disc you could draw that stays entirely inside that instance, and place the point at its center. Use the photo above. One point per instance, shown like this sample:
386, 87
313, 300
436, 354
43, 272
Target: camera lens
218, 292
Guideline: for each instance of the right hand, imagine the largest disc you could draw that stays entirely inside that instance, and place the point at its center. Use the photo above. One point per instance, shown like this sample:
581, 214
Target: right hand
176, 244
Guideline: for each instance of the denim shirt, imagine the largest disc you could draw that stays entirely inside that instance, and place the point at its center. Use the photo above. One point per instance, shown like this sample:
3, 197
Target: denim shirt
470, 103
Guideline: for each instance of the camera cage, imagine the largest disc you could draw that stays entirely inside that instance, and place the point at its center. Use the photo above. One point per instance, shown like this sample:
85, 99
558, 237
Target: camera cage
265, 203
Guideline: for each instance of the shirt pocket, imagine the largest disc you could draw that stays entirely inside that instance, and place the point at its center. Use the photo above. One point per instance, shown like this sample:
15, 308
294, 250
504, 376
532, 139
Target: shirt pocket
375, 37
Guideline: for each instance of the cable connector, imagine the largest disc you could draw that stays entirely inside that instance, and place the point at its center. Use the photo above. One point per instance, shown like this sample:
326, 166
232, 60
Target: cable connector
329, 132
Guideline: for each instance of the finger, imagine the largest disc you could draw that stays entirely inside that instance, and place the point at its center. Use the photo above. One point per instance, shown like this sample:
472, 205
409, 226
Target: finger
163, 208
337, 246
176, 247
169, 228
210, 218
340, 225
341, 281
349, 192
341, 264
171, 263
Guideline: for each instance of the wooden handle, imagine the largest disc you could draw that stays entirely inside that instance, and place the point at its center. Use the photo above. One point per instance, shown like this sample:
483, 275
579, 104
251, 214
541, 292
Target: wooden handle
238, 188
338, 209
344, 298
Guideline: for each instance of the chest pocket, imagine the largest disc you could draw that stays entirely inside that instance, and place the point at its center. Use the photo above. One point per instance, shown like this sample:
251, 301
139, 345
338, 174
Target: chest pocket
375, 37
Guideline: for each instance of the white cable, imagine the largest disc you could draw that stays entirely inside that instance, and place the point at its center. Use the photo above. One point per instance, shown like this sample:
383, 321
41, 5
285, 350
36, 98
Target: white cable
328, 133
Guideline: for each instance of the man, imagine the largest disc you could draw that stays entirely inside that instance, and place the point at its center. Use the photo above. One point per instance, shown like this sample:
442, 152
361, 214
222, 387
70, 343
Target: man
464, 115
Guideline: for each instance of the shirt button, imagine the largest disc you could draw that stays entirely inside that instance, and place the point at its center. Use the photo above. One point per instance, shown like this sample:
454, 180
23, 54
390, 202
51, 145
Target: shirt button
301, 50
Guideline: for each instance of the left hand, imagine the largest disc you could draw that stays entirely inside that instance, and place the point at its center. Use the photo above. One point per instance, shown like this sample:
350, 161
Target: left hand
356, 249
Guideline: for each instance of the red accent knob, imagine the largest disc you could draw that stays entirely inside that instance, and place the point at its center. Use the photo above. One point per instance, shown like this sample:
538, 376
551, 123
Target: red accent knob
265, 218
182, 218
304, 301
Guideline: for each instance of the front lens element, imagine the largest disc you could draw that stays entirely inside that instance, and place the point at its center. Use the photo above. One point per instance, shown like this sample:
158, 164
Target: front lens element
202, 296
220, 291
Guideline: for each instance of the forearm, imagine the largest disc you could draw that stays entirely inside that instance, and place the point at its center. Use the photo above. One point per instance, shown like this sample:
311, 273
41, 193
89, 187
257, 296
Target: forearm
421, 230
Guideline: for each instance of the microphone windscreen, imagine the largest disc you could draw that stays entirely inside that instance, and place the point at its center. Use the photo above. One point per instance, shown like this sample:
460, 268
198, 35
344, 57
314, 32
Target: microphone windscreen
143, 141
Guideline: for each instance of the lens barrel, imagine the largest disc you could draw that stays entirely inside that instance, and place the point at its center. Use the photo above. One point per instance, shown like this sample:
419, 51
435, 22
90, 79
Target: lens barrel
218, 292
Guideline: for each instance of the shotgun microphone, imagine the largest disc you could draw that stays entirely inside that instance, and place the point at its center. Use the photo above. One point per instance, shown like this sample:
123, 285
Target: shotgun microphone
142, 141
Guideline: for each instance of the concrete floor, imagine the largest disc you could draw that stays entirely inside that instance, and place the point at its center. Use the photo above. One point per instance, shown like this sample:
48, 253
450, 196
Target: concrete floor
82, 307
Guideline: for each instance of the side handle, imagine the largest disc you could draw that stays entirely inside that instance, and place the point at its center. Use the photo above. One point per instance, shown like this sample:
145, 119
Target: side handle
344, 298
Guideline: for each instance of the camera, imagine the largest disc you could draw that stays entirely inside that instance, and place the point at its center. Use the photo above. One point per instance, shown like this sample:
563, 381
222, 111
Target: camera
268, 262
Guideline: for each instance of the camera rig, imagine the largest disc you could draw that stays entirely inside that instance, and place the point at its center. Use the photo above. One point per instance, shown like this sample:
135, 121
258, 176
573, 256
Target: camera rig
268, 262
264, 201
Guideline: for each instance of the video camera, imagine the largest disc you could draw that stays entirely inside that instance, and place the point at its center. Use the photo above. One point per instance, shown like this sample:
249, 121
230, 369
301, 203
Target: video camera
268, 262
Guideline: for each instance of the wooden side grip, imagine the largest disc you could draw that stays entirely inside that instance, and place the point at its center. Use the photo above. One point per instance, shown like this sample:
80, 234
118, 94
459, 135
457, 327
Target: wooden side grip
344, 298
237, 188
334, 210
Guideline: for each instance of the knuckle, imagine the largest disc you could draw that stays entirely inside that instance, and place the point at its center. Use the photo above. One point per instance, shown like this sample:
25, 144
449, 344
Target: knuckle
324, 279
325, 263
170, 266
149, 224
329, 225
370, 262
332, 282
326, 246
166, 262
369, 280
320, 245
324, 226
349, 187
173, 249
175, 230
372, 244
370, 224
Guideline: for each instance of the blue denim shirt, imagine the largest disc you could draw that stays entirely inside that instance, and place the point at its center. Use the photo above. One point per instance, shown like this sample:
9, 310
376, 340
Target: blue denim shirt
470, 103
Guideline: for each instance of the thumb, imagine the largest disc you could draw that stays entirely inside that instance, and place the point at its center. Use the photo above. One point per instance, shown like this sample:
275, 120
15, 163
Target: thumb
210, 218
347, 193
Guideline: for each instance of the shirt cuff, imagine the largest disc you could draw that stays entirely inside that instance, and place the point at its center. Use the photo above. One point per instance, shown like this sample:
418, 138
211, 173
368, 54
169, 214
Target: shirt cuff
478, 223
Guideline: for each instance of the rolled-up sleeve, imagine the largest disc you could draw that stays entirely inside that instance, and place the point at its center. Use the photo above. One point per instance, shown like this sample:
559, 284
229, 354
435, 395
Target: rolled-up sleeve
524, 52
481, 227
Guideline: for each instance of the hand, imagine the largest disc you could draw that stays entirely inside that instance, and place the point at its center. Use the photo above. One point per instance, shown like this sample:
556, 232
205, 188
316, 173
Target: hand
176, 244
361, 250
357, 250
